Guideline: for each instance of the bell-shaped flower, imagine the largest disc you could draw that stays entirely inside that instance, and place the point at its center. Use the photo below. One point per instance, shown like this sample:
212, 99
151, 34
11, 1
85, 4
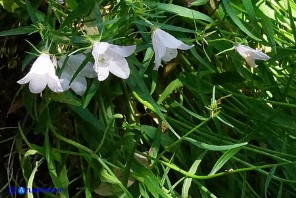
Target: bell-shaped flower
42, 73
78, 84
250, 54
111, 58
165, 46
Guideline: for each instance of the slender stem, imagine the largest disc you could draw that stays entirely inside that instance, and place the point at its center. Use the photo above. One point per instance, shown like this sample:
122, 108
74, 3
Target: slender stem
258, 168
92, 154
204, 177
103, 110
182, 138
104, 135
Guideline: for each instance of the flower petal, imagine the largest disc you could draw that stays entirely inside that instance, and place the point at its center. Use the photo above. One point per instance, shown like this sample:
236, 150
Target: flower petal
88, 71
100, 48
251, 61
123, 51
25, 79
120, 68
259, 55
54, 83
170, 41
43, 65
103, 73
38, 83
79, 85
157, 63
66, 81
170, 54
73, 63
243, 50
159, 50
185, 47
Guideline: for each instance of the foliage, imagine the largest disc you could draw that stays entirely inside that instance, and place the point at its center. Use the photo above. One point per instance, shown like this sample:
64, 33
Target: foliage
204, 125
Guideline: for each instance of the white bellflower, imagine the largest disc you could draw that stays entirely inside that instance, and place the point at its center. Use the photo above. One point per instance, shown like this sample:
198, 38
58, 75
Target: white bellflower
250, 54
42, 73
79, 84
165, 46
111, 58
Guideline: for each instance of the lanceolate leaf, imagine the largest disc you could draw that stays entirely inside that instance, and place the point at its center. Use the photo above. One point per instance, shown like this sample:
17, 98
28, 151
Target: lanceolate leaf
136, 83
19, 31
237, 21
223, 159
214, 147
181, 11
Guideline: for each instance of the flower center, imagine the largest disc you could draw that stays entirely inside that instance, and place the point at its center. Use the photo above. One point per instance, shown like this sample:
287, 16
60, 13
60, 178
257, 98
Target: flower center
103, 61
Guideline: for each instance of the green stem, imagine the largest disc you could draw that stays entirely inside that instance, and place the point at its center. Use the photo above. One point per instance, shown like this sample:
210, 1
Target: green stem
256, 99
104, 135
131, 110
92, 154
204, 177
182, 138
103, 110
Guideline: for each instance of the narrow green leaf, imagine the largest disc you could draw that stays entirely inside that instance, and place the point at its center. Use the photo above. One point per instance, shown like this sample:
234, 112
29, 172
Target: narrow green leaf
181, 11
30, 182
50, 161
66, 98
213, 147
190, 112
244, 184
292, 21
87, 116
237, 21
268, 179
169, 89
87, 182
99, 18
82, 9
32, 12
192, 170
268, 30
280, 191
143, 191
200, 59
30, 152
19, 31
224, 158
198, 2
156, 143
250, 9
63, 177
90, 93
150, 131
72, 4
224, 121
9, 5
26, 163
106, 177
147, 178
147, 60
136, 83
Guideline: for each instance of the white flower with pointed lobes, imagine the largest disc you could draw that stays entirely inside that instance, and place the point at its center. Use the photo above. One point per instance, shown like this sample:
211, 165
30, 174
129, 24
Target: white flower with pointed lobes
111, 58
165, 46
250, 54
42, 73
79, 83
